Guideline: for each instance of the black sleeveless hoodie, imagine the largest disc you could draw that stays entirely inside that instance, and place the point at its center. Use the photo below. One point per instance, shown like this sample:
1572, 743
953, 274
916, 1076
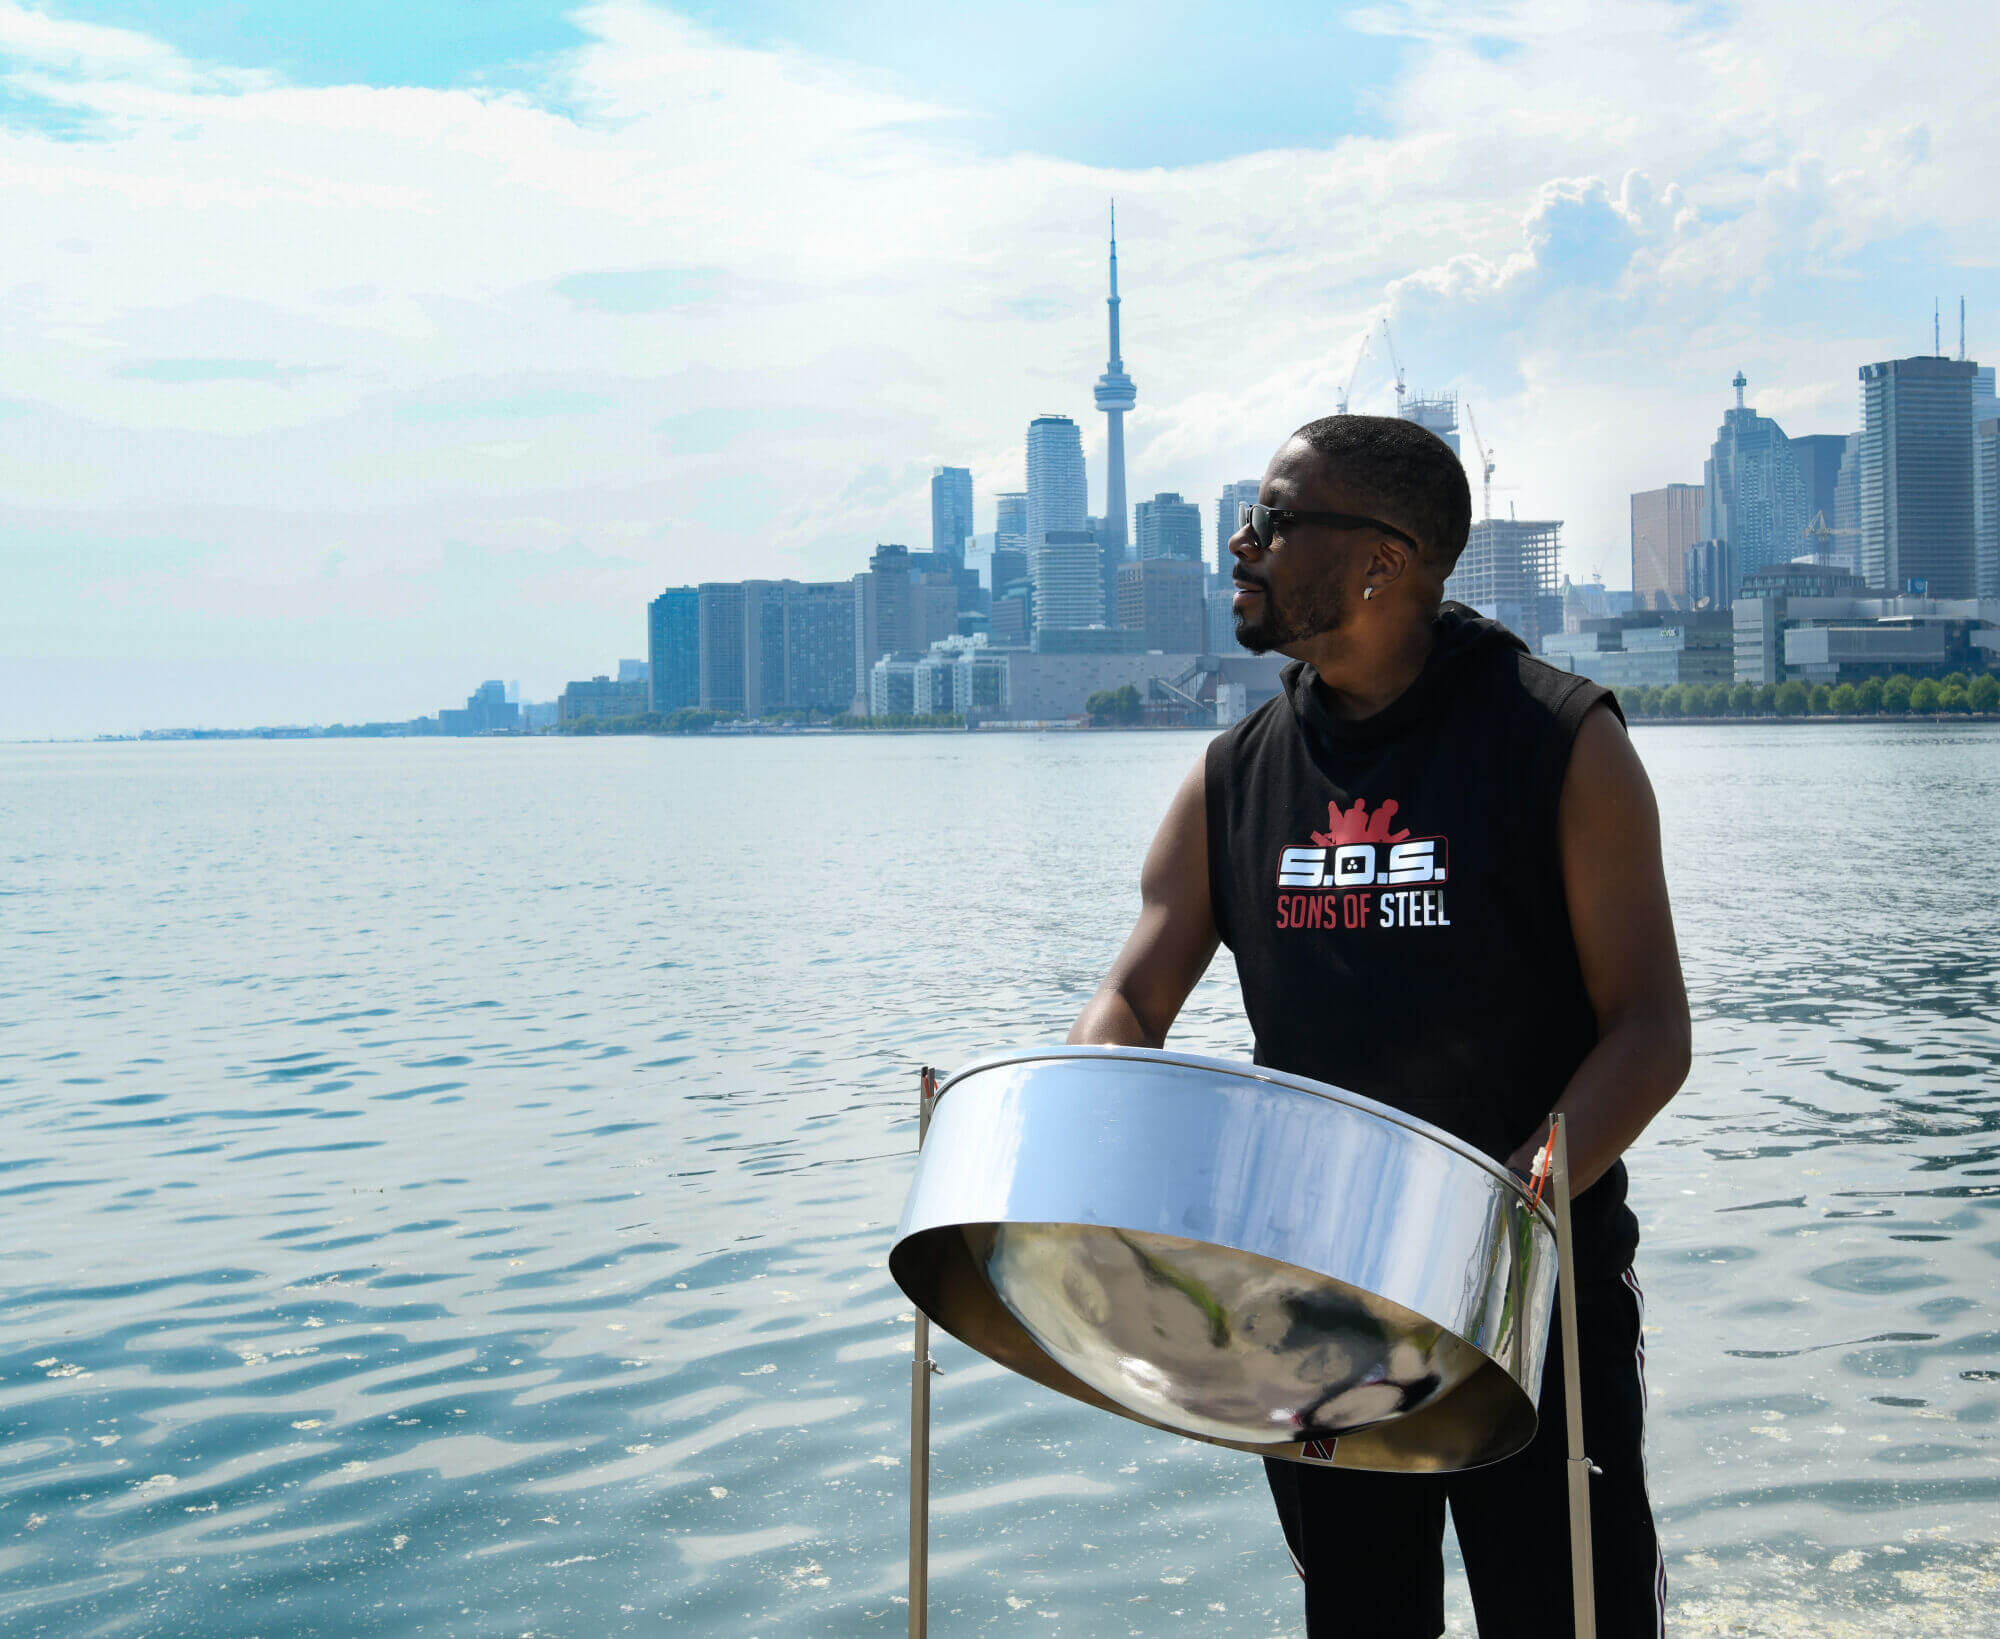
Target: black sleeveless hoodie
1393, 896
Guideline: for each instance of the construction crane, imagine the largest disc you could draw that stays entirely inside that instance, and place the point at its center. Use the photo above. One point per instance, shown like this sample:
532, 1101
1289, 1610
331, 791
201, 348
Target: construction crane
1347, 387
1485, 459
1819, 534
1389, 337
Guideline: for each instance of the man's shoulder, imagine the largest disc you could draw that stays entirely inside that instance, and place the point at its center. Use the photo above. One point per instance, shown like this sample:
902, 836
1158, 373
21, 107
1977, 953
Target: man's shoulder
1534, 693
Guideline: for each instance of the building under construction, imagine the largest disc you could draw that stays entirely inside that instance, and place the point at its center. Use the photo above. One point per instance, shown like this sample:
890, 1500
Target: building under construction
1437, 411
1509, 571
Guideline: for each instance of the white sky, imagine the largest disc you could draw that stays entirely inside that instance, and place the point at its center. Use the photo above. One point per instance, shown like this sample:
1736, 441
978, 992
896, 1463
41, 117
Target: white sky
325, 402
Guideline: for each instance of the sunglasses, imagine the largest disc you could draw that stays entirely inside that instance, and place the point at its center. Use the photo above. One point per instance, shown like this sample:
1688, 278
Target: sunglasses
1264, 522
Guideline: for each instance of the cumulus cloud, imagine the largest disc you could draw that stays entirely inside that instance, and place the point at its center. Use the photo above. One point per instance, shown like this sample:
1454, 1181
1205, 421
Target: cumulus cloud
693, 309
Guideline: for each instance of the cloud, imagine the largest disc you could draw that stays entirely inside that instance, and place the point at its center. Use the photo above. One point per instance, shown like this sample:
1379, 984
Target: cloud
602, 309
638, 290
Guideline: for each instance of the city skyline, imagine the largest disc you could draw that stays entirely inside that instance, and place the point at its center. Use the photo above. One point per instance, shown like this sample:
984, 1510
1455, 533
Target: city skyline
337, 446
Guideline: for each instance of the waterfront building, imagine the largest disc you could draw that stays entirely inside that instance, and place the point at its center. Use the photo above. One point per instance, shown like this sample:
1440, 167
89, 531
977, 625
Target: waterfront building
1915, 488
1986, 506
892, 686
819, 645
1242, 493
719, 612
1665, 523
1115, 395
1755, 494
487, 711
1052, 687
1057, 497
1508, 573
1087, 640
1709, 575
951, 512
1067, 569
902, 601
1648, 646
1162, 598
602, 696
673, 648
1168, 527
632, 671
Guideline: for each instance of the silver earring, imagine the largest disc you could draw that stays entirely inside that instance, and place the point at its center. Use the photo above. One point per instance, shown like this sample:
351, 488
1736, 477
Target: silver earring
1367, 592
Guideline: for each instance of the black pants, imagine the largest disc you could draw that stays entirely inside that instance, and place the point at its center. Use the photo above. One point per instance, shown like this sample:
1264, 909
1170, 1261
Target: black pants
1368, 1546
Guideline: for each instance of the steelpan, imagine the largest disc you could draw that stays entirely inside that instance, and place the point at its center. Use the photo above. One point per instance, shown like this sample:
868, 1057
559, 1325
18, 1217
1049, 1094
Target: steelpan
1234, 1254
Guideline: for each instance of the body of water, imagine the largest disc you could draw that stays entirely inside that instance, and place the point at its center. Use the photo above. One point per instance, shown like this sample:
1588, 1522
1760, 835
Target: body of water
445, 1188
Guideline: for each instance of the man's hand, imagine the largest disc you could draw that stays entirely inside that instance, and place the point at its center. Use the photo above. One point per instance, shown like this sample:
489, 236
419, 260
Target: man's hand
1171, 944
1608, 833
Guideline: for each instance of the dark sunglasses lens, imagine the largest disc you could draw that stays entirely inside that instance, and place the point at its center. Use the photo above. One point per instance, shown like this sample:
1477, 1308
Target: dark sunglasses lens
1259, 520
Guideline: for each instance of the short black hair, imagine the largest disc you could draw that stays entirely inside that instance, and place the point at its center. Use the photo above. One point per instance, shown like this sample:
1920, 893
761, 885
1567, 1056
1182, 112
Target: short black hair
1406, 466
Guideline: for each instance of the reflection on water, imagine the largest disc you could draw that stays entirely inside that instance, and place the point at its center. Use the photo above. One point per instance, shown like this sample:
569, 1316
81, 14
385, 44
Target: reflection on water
447, 1186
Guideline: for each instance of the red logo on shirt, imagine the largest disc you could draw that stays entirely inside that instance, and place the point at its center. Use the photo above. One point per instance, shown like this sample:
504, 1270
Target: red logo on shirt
1357, 854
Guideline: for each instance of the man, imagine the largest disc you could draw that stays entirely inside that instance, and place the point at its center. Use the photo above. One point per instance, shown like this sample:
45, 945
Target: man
1436, 861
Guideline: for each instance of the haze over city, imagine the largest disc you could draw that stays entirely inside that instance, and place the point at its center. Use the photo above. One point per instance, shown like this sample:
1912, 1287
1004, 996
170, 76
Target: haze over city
345, 366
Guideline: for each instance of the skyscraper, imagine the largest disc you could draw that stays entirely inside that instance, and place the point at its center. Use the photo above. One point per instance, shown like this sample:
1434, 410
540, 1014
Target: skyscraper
1169, 528
719, 613
1665, 523
1756, 497
1163, 597
1010, 522
1916, 475
1115, 395
1067, 569
1242, 493
951, 511
1057, 497
673, 648
1986, 506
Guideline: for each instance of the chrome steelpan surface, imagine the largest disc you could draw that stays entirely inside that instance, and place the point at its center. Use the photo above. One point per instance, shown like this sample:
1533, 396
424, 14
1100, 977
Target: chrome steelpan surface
1234, 1254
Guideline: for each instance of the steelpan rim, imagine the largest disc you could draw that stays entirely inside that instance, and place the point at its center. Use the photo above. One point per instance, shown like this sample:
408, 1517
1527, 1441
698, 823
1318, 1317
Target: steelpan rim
1280, 1078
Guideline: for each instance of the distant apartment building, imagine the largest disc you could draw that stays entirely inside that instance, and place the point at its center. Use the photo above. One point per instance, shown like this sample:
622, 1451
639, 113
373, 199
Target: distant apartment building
768, 645
1058, 498
1915, 499
1168, 527
1242, 493
1508, 572
601, 696
903, 602
1665, 523
1219, 603
1163, 598
1066, 567
951, 511
1755, 492
487, 711
673, 648
719, 612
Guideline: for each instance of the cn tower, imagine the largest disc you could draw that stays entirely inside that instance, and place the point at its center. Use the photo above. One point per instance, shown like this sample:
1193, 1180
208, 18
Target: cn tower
1115, 395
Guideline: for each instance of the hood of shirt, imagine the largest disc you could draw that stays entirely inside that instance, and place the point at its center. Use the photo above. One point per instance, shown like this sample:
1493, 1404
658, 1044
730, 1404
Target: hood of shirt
1463, 640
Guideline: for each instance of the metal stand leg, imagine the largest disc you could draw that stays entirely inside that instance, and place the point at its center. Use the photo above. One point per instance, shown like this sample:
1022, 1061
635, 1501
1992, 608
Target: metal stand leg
921, 1367
1582, 1580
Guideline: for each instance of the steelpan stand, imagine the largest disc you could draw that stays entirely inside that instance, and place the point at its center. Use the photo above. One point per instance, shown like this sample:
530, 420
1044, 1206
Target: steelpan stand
921, 1368
1579, 1467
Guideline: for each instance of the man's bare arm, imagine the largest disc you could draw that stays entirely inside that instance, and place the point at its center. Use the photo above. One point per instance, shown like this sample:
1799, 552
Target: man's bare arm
1608, 830
1171, 944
